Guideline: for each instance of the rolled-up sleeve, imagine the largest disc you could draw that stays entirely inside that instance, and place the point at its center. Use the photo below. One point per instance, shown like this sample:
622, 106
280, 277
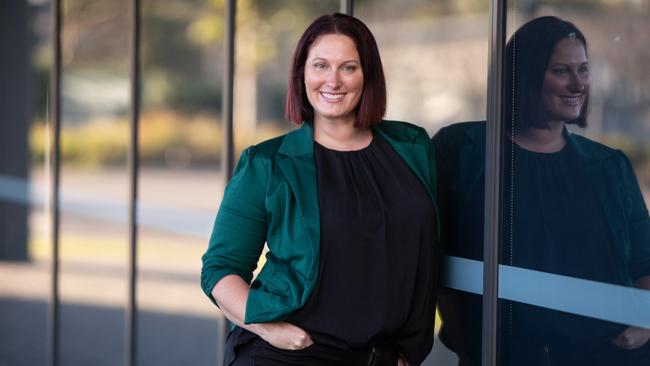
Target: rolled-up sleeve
239, 231
638, 223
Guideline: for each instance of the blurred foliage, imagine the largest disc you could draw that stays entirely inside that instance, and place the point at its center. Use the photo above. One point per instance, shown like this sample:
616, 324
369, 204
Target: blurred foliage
166, 138
419, 8
183, 42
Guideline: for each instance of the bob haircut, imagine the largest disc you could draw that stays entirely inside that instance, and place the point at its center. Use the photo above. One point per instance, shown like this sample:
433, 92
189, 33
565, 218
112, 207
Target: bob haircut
372, 104
528, 53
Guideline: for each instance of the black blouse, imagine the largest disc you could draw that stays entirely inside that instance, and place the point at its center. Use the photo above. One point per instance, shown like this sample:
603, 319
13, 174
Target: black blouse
559, 227
376, 274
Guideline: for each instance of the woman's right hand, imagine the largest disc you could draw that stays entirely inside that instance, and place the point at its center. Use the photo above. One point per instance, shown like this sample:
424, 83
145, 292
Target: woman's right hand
231, 293
284, 335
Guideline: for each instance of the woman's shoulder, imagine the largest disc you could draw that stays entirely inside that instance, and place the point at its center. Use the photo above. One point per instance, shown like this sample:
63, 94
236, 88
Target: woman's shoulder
459, 130
404, 131
267, 148
258, 158
592, 148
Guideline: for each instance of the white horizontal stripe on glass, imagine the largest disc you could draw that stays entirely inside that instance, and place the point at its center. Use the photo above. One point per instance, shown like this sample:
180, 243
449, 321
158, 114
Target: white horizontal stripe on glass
614, 303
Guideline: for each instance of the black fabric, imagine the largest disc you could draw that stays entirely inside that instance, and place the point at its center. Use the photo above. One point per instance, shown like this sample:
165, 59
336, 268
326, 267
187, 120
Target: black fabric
559, 227
244, 348
555, 351
553, 222
376, 276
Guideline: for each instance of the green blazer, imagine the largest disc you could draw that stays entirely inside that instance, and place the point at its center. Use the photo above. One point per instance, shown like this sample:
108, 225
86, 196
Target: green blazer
460, 149
273, 198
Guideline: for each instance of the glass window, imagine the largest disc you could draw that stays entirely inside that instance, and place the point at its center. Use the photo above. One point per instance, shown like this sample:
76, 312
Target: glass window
575, 254
267, 34
94, 181
25, 249
182, 143
435, 60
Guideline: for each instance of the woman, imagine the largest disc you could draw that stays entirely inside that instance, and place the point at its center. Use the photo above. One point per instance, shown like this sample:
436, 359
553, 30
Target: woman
572, 207
346, 206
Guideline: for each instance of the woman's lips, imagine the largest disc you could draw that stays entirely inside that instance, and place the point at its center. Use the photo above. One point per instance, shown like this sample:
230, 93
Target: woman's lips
332, 97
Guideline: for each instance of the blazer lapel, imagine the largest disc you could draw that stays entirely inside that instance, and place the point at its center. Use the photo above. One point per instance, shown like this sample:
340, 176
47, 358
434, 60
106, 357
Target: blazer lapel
598, 174
296, 161
414, 155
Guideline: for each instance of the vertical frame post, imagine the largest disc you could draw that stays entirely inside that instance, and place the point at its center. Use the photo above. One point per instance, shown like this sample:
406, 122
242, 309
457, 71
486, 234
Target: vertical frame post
131, 328
493, 172
228, 159
347, 7
230, 8
55, 136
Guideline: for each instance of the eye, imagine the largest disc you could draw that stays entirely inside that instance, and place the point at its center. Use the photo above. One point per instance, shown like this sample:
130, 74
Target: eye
320, 66
559, 71
584, 69
349, 68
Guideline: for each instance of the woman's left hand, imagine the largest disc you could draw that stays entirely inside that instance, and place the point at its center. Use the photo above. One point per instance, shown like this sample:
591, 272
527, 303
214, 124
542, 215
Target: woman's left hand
632, 338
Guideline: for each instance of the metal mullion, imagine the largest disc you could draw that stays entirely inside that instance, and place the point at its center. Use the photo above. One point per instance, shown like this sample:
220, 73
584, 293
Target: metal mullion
228, 158
493, 171
55, 170
347, 7
133, 162
230, 9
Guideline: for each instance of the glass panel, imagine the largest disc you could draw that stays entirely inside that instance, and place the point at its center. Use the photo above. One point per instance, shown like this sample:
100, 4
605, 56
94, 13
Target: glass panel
25, 243
181, 179
434, 55
267, 33
94, 181
576, 241
181, 152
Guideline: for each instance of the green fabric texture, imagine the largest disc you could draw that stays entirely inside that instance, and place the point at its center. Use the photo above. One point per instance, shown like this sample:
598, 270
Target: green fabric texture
273, 198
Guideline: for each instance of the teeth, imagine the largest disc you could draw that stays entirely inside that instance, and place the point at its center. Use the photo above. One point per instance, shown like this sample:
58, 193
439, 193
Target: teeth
333, 96
571, 99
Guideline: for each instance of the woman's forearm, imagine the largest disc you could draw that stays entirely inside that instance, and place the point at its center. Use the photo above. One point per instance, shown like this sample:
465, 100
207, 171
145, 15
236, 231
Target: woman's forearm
231, 293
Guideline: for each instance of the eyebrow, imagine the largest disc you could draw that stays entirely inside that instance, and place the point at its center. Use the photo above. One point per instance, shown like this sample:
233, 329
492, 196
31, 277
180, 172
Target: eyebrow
568, 64
324, 59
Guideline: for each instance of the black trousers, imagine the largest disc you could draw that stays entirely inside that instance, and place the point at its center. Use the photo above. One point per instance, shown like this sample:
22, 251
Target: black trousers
244, 348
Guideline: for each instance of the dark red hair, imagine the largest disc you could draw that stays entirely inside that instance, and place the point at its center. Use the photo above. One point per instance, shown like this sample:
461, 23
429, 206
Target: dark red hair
372, 105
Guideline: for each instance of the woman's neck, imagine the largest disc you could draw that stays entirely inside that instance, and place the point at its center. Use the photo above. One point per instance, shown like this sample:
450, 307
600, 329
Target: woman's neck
341, 136
541, 139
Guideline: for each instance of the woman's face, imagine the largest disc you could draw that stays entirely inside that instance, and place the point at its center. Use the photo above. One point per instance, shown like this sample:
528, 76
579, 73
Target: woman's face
333, 78
566, 81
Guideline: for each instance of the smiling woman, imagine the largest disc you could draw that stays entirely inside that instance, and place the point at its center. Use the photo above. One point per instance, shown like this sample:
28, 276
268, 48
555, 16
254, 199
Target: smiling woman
346, 204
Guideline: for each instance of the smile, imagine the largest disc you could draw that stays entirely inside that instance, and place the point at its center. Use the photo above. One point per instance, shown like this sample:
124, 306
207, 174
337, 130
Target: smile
332, 97
572, 100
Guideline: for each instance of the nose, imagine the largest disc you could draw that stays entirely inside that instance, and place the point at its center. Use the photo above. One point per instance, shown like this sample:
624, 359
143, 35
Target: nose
578, 82
333, 80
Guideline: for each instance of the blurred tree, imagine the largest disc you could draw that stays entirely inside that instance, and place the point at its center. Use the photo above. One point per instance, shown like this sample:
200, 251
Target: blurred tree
15, 107
263, 28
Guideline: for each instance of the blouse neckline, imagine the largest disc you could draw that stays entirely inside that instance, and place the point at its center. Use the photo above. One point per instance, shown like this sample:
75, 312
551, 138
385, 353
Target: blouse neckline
365, 148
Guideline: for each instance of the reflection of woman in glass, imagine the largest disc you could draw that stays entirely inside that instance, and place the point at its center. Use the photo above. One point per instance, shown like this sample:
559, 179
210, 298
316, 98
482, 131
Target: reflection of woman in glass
346, 206
571, 207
